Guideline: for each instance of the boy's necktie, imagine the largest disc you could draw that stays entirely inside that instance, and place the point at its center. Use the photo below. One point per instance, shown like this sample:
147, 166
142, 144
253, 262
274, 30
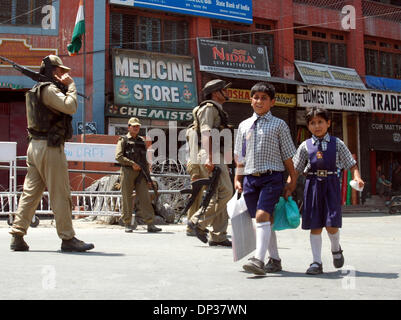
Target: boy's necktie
248, 136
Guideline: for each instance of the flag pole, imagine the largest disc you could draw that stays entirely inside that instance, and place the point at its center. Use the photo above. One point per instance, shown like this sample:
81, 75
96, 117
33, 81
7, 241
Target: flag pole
84, 106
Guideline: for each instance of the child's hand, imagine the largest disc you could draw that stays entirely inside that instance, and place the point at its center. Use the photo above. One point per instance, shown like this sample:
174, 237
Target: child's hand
238, 185
289, 189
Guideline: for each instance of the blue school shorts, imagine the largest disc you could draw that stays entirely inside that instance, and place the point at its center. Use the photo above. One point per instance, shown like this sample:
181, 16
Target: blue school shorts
262, 192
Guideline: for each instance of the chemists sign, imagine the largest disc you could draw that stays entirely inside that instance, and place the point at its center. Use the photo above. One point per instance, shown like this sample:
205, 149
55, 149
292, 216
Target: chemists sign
147, 79
232, 10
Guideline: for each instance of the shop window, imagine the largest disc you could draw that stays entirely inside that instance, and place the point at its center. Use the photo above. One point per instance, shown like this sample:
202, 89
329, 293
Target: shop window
149, 33
22, 12
302, 50
332, 51
382, 59
338, 54
320, 52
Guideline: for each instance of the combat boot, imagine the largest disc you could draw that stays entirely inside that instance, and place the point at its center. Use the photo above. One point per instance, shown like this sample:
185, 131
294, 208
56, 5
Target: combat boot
75, 245
153, 228
18, 243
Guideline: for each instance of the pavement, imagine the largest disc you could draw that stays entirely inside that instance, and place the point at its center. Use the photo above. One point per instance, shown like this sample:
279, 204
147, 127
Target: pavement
172, 266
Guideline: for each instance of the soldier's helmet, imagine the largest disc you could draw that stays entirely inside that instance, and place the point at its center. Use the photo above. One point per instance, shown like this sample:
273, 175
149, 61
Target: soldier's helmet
54, 61
215, 85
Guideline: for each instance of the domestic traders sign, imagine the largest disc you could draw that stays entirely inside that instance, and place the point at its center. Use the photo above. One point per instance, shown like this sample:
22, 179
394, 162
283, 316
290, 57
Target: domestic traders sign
233, 58
323, 74
146, 79
386, 102
334, 98
231, 10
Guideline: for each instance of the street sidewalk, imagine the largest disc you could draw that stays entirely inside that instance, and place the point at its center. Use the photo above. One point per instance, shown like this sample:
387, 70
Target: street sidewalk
171, 266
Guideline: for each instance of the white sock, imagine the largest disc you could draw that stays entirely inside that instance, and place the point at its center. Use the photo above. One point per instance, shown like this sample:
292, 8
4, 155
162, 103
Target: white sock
335, 243
262, 239
316, 245
273, 249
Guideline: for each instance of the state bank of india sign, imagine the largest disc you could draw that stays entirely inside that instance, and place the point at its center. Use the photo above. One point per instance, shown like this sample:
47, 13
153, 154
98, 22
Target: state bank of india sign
148, 79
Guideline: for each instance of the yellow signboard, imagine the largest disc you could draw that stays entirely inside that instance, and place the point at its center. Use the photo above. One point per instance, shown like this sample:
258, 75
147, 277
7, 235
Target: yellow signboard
244, 96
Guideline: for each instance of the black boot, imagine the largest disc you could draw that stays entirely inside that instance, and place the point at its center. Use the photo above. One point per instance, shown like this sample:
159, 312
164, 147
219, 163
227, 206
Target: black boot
75, 245
18, 243
153, 228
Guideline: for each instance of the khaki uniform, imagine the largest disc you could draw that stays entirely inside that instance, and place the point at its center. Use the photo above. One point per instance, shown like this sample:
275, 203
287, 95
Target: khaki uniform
48, 167
129, 182
216, 213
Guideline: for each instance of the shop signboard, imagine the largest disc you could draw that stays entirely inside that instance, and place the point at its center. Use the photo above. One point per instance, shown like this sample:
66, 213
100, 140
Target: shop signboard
323, 74
244, 96
148, 112
146, 79
386, 102
233, 58
385, 132
237, 11
334, 98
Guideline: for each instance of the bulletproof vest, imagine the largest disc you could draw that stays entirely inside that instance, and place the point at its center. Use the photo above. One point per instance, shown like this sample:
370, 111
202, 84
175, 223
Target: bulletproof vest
45, 123
135, 150
223, 122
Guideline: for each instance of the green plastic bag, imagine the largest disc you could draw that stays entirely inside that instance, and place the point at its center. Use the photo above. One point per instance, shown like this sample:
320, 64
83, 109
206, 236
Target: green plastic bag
286, 215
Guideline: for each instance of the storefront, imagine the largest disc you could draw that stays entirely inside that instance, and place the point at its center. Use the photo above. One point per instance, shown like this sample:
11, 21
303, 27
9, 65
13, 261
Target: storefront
384, 138
160, 89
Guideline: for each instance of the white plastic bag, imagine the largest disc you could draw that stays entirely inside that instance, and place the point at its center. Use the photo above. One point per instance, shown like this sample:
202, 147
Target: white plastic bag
243, 230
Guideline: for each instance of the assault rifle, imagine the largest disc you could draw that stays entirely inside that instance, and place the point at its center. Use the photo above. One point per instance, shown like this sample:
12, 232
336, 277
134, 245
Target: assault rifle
196, 187
38, 77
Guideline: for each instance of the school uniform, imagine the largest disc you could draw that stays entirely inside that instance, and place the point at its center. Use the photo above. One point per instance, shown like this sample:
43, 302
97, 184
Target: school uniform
263, 143
320, 161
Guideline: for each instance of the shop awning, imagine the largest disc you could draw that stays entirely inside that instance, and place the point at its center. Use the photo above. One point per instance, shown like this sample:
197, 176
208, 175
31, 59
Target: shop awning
385, 84
257, 78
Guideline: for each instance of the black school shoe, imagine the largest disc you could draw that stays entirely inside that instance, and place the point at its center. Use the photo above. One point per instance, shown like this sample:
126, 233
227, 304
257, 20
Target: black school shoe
338, 262
273, 265
255, 266
315, 268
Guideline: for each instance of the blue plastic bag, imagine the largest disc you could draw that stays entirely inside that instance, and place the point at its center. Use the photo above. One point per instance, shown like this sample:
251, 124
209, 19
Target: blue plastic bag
286, 215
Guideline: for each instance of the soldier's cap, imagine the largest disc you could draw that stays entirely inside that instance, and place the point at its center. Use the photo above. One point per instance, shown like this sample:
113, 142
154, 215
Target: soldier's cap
215, 85
55, 61
134, 122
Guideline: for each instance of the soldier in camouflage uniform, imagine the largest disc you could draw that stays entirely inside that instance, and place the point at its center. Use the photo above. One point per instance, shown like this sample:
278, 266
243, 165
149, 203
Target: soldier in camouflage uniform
131, 154
49, 107
209, 116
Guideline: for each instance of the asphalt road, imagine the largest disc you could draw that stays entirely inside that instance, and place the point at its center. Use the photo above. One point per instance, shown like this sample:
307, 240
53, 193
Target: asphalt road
171, 266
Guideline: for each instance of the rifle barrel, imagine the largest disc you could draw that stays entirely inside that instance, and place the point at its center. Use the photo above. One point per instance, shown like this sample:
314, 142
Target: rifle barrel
35, 76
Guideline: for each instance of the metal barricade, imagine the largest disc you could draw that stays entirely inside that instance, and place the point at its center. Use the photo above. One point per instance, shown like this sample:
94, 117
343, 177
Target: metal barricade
84, 203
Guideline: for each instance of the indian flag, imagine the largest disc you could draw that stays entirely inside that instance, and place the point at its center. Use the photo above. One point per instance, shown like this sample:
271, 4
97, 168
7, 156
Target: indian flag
79, 30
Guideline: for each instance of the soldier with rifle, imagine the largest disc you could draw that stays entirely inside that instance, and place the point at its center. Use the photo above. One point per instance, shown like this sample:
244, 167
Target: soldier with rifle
50, 105
135, 174
210, 119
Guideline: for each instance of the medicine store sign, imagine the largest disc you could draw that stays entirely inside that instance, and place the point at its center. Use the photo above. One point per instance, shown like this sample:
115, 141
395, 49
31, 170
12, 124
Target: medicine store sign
145, 79
334, 98
150, 113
